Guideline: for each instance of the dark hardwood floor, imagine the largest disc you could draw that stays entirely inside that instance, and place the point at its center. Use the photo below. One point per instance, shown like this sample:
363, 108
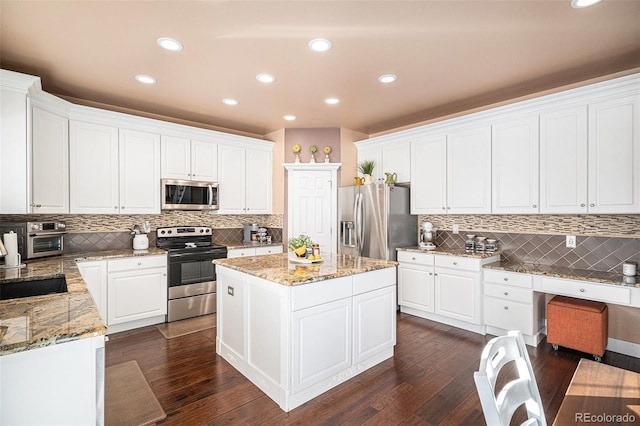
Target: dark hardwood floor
429, 381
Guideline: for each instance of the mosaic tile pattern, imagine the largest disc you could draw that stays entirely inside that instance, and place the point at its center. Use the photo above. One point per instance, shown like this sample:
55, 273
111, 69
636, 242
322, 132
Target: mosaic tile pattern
591, 253
623, 226
121, 223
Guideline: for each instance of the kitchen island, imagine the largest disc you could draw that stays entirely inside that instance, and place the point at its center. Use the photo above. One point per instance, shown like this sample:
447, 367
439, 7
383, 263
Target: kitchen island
297, 330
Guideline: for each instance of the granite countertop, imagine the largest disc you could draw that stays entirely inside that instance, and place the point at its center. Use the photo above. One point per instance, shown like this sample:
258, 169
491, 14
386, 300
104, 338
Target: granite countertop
253, 245
279, 269
35, 322
567, 273
450, 252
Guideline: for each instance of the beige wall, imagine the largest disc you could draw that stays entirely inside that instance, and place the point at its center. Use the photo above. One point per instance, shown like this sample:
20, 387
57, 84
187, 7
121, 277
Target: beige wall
349, 155
278, 186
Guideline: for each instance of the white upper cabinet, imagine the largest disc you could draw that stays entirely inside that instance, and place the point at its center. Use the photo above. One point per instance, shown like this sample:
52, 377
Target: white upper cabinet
139, 172
50, 162
113, 171
245, 177
93, 172
372, 154
469, 171
451, 173
563, 161
187, 159
390, 156
614, 156
429, 175
396, 158
514, 151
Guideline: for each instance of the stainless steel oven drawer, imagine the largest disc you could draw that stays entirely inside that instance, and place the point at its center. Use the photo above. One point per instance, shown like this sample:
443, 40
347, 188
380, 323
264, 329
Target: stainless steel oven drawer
176, 292
189, 307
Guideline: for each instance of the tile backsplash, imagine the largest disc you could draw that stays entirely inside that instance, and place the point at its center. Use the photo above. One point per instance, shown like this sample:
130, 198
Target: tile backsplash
604, 242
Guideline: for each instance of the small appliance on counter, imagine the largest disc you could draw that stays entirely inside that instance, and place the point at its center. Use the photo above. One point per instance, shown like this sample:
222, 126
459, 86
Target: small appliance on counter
250, 233
427, 236
35, 239
140, 238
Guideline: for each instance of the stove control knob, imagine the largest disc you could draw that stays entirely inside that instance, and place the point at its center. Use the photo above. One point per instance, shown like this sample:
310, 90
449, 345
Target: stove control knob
169, 231
62, 226
208, 230
201, 230
162, 232
34, 227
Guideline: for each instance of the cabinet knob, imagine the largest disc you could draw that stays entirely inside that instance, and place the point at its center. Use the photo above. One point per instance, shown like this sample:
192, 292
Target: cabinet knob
592, 205
506, 308
435, 274
534, 206
430, 273
443, 207
506, 293
139, 263
455, 263
582, 290
506, 279
448, 208
122, 208
115, 207
582, 205
413, 258
38, 205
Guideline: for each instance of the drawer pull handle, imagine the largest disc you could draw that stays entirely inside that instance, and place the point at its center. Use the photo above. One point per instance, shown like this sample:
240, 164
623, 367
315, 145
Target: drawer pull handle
506, 308
582, 290
506, 279
506, 293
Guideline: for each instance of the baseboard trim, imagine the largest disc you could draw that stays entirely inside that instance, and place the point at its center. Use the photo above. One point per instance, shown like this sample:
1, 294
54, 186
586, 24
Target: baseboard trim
623, 347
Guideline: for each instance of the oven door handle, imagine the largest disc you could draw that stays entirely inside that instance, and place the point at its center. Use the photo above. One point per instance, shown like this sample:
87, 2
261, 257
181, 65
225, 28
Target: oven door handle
47, 234
181, 257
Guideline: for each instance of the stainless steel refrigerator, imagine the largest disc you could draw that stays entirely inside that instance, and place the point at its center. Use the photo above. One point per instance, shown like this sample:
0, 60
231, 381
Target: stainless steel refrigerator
374, 220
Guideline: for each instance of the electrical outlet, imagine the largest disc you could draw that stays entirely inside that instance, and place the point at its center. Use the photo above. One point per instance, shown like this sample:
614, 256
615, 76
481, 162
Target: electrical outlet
571, 241
230, 291
456, 229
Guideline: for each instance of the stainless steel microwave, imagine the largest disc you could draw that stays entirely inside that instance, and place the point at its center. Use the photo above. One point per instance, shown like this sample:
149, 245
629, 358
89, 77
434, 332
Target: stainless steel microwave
189, 195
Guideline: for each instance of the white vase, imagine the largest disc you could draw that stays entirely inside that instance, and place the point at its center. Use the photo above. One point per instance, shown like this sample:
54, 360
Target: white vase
312, 159
297, 160
326, 158
368, 180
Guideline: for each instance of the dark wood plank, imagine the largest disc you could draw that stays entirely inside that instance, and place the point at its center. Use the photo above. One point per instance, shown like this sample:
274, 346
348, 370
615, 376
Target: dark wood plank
429, 381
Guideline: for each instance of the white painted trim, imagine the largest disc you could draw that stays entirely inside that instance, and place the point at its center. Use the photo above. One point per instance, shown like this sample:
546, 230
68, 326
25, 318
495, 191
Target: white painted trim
623, 347
475, 328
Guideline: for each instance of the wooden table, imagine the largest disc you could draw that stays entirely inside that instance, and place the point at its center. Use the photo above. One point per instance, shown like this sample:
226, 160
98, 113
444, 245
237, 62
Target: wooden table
601, 394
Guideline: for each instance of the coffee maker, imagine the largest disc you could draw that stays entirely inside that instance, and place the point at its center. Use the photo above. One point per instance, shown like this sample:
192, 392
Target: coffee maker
250, 232
427, 236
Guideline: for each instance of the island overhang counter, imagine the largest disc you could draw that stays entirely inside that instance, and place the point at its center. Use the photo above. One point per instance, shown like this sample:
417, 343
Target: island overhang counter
298, 330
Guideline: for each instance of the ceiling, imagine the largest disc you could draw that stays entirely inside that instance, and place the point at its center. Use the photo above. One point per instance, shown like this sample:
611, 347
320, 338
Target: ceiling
449, 56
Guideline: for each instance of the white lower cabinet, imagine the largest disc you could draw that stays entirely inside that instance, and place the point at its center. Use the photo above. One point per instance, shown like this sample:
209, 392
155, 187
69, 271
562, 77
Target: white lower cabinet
61, 384
511, 304
129, 292
136, 289
94, 273
415, 281
442, 288
296, 342
253, 251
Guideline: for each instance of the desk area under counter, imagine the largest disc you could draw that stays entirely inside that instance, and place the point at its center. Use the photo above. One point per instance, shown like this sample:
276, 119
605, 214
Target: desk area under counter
297, 330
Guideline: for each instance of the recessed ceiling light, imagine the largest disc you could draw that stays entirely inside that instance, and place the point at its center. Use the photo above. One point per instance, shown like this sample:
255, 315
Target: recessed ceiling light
146, 79
579, 4
320, 45
170, 44
387, 78
332, 101
230, 101
265, 78
289, 117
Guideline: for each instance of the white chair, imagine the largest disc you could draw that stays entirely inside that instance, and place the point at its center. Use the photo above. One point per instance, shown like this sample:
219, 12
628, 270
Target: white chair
499, 407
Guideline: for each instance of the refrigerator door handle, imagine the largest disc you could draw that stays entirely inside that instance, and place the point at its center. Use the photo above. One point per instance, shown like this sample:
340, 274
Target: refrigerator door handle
360, 225
355, 222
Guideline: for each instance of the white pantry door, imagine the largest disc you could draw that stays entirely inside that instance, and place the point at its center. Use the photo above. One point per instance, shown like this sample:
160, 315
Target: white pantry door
312, 204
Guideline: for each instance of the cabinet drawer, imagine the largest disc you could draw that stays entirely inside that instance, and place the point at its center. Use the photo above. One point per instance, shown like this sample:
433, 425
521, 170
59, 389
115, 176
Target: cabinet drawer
314, 294
508, 278
508, 315
374, 280
243, 252
136, 262
584, 290
508, 293
414, 257
458, 262
268, 250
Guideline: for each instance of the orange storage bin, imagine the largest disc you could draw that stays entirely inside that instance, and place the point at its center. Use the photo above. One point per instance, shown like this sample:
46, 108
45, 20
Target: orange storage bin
578, 324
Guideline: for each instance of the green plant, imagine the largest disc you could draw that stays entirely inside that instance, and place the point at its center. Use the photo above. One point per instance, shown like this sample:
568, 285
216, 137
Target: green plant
313, 149
366, 167
299, 241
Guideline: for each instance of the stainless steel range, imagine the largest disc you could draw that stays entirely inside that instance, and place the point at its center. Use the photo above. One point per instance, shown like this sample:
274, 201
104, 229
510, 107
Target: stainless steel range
192, 275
